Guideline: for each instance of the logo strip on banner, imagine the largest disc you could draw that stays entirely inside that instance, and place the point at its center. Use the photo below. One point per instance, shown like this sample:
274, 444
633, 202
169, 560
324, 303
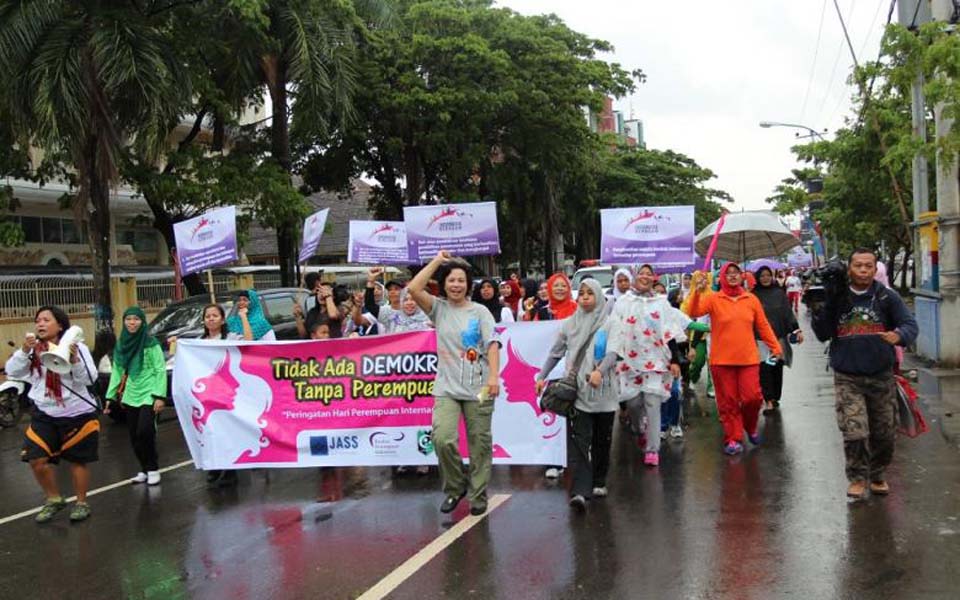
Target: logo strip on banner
661, 236
463, 229
349, 402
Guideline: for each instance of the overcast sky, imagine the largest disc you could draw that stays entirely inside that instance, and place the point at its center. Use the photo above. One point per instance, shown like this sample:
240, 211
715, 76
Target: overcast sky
717, 68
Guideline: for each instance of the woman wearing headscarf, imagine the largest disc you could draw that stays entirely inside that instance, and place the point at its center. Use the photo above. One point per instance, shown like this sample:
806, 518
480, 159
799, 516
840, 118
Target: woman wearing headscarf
139, 380
559, 303
486, 294
63, 414
510, 296
644, 333
735, 314
407, 317
249, 319
621, 283
779, 313
559, 306
591, 428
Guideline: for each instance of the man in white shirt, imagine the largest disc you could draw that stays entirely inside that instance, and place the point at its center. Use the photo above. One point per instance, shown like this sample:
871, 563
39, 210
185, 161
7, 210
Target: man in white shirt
794, 291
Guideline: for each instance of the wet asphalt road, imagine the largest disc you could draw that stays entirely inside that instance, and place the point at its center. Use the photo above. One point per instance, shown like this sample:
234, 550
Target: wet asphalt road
773, 523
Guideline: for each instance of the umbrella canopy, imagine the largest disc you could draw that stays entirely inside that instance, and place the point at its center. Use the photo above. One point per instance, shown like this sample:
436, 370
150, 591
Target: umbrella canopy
746, 235
770, 263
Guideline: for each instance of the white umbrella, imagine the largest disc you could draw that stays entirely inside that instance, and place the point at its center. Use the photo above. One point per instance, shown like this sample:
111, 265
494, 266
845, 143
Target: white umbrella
746, 235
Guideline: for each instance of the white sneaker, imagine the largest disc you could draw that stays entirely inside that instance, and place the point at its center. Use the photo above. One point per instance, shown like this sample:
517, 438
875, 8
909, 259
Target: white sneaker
600, 492
140, 477
553, 473
153, 477
676, 432
663, 435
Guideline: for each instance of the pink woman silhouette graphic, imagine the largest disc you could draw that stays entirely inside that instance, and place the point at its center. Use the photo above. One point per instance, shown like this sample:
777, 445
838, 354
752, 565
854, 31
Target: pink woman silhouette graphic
216, 391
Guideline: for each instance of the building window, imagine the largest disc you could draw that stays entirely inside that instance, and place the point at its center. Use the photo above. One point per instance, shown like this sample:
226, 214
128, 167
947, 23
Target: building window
71, 233
52, 233
32, 229
143, 242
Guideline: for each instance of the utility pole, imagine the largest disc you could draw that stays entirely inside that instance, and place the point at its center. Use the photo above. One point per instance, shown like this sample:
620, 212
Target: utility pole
911, 14
948, 208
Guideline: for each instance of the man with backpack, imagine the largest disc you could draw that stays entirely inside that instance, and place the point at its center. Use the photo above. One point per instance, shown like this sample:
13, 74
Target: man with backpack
863, 320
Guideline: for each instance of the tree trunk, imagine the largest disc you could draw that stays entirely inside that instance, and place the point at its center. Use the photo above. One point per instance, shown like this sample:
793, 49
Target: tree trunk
413, 173
280, 149
163, 222
96, 190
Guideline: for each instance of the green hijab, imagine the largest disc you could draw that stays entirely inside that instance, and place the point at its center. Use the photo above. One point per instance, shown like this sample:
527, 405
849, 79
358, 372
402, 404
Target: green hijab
128, 355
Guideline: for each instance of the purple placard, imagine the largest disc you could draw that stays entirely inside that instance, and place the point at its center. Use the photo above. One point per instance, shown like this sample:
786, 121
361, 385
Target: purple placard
207, 241
378, 243
661, 236
798, 257
313, 228
463, 229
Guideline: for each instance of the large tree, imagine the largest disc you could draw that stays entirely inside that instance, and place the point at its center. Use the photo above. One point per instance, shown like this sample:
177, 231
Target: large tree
466, 101
81, 78
213, 158
303, 53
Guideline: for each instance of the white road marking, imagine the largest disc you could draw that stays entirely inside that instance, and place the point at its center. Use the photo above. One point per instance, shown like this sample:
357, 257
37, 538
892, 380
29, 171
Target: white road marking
99, 490
416, 562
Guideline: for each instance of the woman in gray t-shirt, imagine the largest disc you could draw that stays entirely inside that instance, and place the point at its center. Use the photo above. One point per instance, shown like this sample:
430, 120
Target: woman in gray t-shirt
467, 382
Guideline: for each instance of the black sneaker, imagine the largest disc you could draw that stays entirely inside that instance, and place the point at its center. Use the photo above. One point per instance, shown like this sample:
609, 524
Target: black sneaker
450, 503
478, 508
578, 502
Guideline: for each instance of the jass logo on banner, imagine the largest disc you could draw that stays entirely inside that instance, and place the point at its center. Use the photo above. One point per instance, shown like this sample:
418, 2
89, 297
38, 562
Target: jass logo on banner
323, 445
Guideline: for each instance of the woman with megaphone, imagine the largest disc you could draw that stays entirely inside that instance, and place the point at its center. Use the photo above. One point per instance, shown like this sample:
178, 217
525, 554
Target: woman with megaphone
63, 420
139, 380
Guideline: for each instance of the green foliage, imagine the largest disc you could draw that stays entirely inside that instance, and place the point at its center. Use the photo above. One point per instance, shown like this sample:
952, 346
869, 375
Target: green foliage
642, 177
867, 166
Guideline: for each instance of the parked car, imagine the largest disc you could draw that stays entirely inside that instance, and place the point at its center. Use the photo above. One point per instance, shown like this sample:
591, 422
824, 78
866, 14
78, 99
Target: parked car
603, 274
184, 319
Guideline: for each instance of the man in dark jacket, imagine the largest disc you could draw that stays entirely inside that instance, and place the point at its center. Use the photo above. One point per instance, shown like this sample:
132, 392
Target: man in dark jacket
864, 321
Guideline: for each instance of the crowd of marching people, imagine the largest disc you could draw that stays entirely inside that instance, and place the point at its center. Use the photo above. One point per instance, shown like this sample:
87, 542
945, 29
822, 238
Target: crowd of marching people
636, 350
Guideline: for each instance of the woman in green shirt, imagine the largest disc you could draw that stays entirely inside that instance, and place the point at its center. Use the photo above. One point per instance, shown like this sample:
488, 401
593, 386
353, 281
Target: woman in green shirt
139, 379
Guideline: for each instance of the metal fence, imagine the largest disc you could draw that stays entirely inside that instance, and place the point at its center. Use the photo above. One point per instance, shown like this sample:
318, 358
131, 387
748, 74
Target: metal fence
20, 296
266, 280
158, 293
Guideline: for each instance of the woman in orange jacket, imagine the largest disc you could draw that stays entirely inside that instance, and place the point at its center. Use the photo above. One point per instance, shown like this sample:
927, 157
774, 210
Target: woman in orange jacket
735, 314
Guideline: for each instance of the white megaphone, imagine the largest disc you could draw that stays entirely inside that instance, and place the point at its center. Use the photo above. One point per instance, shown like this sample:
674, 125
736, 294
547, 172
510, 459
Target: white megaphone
57, 358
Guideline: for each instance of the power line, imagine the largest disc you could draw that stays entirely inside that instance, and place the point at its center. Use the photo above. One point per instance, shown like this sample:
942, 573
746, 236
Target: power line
866, 38
813, 67
836, 61
846, 35
863, 47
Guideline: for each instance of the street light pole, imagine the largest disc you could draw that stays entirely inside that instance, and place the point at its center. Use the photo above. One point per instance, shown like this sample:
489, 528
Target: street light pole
813, 132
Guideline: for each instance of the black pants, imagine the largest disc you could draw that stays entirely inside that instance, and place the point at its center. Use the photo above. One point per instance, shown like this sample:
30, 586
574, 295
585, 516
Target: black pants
590, 436
771, 380
142, 425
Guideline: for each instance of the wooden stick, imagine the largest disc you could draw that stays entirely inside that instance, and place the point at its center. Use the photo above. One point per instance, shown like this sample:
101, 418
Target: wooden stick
213, 294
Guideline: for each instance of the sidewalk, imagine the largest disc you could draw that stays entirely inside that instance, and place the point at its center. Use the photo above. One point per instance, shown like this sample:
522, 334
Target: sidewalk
940, 391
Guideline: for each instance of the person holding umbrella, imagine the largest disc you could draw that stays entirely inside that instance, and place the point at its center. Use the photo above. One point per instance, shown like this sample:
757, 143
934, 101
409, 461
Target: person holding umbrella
735, 315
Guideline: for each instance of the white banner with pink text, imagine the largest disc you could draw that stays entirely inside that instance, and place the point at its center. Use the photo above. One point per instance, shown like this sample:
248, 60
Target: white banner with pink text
350, 402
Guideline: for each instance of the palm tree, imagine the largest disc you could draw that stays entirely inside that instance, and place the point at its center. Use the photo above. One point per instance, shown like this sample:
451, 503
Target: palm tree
305, 57
84, 79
